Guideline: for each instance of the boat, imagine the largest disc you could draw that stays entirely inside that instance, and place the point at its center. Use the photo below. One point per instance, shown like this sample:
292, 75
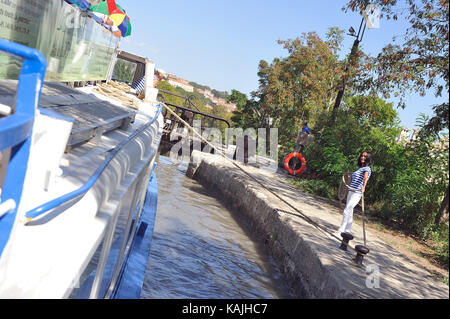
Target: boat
77, 168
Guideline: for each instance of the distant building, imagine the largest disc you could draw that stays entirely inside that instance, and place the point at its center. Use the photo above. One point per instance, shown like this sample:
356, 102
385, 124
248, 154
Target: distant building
442, 144
405, 135
180, 83
163, 74
231, 107
208, 94
221, 101
185, 85
183, 81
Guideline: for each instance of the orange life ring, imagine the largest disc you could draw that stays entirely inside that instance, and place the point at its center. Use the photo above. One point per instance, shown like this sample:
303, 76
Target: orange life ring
288, 159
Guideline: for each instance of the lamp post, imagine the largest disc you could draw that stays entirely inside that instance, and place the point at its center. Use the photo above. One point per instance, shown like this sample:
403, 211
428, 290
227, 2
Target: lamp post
352, 59
371, 19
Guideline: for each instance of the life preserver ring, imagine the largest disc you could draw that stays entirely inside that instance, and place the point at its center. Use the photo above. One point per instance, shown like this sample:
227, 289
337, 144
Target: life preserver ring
288, 159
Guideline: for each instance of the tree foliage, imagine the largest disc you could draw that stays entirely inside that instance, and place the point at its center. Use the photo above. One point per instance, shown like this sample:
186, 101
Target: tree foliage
336, 148
420, 62
169, 98
245, 115
303, 84
415, 192
408, 182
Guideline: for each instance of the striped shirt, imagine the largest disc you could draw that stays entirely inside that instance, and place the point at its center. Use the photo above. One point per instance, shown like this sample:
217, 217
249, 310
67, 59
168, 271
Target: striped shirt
139, 85
358, 177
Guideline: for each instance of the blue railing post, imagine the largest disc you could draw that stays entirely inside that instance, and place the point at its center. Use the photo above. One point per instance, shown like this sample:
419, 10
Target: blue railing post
16, 129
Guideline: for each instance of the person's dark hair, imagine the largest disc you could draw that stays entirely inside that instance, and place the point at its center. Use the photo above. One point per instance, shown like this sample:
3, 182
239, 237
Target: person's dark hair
368, 160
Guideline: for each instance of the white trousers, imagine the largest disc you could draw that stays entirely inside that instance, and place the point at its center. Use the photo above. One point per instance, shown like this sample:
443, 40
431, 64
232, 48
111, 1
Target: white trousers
353, 199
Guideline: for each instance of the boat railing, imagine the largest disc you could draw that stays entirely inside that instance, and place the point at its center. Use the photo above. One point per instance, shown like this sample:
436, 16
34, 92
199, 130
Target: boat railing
187, 99
78, 193
15, 140
187, 114
16, 131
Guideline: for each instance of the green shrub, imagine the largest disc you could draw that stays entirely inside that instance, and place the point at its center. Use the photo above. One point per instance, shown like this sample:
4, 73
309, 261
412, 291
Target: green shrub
443, 251
408, 182
417, 190
338, 145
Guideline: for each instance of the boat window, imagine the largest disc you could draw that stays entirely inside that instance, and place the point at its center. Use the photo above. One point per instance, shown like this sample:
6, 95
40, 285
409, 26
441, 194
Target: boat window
124, 71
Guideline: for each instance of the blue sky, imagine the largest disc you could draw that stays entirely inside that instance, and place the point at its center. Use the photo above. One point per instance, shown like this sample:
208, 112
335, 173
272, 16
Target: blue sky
220, 43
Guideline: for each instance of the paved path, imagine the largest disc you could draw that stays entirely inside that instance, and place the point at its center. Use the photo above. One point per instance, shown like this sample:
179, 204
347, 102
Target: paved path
399, 277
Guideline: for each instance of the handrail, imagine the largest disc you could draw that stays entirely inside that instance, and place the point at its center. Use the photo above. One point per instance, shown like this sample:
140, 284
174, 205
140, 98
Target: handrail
16, 129
42, 209
200, 113
187, 98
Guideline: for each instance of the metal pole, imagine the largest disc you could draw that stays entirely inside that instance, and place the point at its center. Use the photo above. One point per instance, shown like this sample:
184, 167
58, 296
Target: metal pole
353, 53
364, 219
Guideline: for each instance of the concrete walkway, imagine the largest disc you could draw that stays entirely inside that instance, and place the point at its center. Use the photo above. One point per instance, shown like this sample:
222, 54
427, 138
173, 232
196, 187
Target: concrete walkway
308, 255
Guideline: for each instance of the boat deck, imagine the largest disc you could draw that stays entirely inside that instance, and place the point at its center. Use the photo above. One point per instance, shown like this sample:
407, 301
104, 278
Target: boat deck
91, 116
89, 235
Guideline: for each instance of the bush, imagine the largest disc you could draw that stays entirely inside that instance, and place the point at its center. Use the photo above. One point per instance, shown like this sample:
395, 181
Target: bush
337, 147
407, 181
417, 189
443, 251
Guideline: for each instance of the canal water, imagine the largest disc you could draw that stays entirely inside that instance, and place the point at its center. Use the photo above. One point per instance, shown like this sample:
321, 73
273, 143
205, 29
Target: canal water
200, 250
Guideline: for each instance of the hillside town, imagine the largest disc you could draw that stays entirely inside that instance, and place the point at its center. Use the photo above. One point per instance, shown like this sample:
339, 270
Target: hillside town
188, 87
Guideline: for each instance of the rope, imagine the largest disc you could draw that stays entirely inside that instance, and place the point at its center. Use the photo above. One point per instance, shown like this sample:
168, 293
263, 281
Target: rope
118, 91
253, 178
342, 191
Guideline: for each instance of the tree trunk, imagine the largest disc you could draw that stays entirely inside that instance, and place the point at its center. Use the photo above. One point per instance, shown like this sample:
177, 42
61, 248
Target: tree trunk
442, 216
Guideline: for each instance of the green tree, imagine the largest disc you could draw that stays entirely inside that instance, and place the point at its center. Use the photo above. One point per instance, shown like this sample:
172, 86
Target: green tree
238, 98
241, 116
219, 94
372, 111
169, 98
248, 113
418, 64
416, 190
221, 111
303, 84
336, 148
